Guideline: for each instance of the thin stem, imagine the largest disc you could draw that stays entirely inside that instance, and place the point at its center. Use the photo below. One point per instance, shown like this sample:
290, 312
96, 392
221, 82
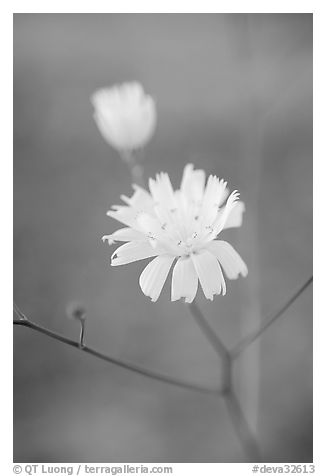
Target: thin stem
247, 341
82, 332
217, 345
241, 427
126, 365
240, 424
208, 331
136, 170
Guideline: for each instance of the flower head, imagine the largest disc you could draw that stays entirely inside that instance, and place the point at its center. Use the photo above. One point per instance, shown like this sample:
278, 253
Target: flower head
181, 225
125, 115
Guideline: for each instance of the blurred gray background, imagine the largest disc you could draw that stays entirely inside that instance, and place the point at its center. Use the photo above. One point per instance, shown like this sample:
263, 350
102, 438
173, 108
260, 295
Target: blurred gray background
234, 96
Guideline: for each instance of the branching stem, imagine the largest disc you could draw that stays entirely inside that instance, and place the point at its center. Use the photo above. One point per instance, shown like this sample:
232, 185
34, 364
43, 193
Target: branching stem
217, 345
240, 424
100, 355
227, 359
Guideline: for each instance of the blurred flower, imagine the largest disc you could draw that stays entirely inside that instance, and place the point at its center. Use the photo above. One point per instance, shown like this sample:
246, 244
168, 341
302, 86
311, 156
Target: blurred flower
125, 115
182, 225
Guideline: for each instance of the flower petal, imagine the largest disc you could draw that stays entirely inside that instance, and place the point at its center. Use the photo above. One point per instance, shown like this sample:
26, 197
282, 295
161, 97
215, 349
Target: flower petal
125, 215
124, 234
149, 225
154, 276
141, 200
184, 280
234, 219
209, 273
230, 259
224, 215
192, 183
133, 251
213, 196
162, 191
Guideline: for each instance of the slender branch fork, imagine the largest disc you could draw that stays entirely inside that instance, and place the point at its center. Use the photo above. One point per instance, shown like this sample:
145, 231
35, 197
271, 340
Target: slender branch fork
240, 424
226, 356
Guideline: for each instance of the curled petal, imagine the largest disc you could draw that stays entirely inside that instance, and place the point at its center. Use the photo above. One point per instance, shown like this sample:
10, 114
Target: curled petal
154, 276
222, 217
234, 219
230, 259
184, 280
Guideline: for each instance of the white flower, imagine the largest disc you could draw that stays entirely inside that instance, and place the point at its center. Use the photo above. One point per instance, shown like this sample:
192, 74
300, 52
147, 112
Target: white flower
125, 115
180, 225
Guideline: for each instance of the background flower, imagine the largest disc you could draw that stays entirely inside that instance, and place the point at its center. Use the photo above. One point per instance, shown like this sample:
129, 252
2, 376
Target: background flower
180, 225
125, 115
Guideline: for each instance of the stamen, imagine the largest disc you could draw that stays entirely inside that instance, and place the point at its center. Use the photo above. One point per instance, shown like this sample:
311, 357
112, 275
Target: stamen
150, 236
